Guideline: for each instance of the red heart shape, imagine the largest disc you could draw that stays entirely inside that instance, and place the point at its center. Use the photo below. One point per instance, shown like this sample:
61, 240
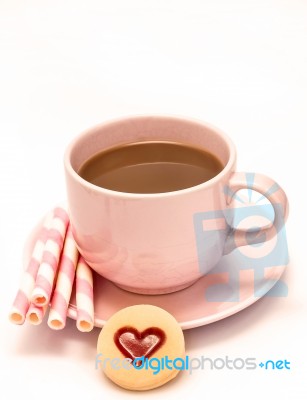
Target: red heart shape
133, 344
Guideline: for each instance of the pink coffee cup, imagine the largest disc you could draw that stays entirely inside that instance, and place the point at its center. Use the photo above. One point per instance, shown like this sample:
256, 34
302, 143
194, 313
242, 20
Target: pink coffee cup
146, 243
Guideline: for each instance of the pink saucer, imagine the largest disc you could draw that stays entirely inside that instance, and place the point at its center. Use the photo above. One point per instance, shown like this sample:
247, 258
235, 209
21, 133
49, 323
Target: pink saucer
238, 280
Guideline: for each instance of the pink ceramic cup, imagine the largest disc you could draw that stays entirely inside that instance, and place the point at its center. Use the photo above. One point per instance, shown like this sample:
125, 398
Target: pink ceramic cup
146, 243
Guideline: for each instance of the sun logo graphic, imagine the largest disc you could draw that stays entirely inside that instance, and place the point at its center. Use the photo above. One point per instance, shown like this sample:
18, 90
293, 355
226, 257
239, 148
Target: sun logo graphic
248, 240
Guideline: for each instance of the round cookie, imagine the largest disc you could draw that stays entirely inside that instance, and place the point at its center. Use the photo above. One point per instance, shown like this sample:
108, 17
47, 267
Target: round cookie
137, 346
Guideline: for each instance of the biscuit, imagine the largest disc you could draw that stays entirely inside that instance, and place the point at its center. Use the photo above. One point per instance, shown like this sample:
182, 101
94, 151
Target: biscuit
137, 346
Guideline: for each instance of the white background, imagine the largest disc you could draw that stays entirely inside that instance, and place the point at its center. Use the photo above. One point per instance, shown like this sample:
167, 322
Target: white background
67, 65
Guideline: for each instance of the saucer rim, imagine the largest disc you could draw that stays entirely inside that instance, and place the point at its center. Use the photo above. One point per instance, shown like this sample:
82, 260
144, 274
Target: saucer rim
190, 324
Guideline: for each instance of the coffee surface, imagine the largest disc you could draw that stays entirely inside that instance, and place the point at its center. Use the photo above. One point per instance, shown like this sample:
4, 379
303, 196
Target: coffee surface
150, 167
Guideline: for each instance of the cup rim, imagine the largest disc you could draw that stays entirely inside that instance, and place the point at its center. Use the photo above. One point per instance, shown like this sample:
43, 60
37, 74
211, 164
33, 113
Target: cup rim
113, 193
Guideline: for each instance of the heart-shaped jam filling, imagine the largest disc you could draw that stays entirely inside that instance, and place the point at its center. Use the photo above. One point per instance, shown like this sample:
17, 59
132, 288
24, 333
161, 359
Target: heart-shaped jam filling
133, 344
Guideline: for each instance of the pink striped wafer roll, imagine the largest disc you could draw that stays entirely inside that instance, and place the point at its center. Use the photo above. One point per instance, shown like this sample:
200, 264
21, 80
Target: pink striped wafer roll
50, 262
61, 296
23, 298
84, 296
35, 314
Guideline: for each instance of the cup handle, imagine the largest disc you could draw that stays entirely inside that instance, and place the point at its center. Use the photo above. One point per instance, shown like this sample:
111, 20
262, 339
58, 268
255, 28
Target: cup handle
275, 195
